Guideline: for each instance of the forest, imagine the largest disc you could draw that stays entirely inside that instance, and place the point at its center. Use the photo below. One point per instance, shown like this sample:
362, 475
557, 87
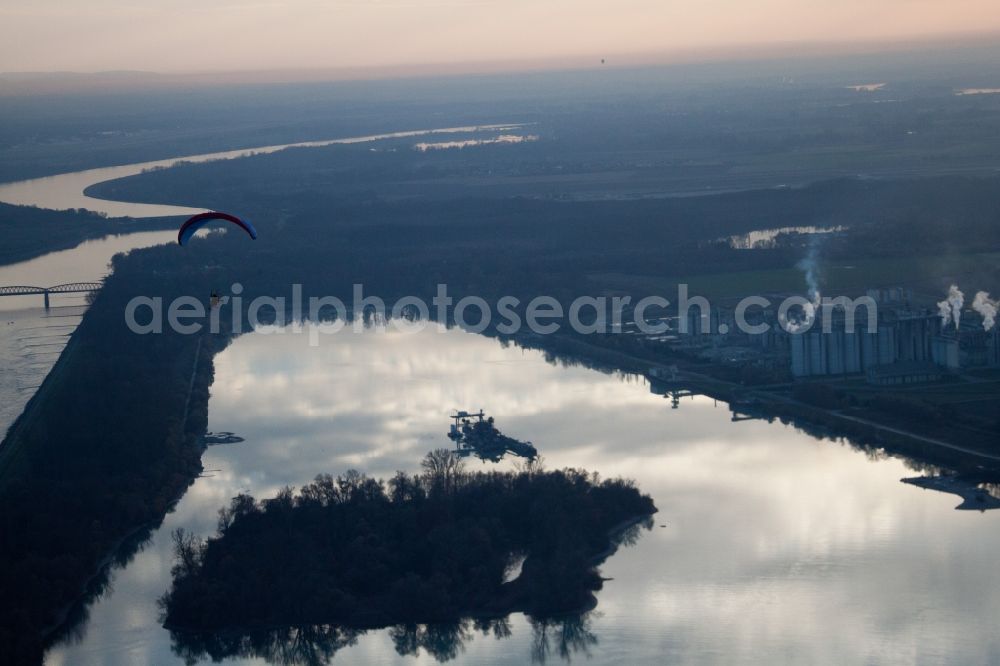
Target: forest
432, 213
363, 553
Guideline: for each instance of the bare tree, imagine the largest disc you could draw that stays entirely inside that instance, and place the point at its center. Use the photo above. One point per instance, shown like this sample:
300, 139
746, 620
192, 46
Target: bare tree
530, 466
443, 469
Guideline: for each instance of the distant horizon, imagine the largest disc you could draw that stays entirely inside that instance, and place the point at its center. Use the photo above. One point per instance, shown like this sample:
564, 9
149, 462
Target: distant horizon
721, 55
185, 37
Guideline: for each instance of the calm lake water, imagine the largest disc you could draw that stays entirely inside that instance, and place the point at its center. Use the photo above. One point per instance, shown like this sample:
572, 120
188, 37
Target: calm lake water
770, 546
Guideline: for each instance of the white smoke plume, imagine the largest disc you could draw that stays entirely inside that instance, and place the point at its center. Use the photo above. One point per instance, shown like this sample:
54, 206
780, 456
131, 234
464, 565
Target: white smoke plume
951, 307
810, 266
944, 311
987, 307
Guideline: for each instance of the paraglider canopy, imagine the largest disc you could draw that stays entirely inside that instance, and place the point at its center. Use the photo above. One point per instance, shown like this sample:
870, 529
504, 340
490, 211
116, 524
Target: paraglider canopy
196, 222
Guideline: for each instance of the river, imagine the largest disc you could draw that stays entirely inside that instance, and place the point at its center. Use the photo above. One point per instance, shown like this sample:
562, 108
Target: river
771, 546
65, 191
31, 338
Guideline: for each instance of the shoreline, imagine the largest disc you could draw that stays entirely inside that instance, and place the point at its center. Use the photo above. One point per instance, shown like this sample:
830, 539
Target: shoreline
59, 619
859, 430
596, 559
50, 635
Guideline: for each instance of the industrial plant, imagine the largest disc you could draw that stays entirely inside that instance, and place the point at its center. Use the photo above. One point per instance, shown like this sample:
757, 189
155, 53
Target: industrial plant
889, 340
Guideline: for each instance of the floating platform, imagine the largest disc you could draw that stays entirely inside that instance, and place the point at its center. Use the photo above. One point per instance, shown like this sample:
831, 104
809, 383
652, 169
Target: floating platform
475, 435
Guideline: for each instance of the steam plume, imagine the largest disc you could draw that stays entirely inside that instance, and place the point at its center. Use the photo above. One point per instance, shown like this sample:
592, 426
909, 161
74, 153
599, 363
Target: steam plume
951, 307
987, 307
810, 266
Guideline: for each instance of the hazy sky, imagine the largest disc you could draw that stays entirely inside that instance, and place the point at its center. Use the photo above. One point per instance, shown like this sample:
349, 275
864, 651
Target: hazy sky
200, 35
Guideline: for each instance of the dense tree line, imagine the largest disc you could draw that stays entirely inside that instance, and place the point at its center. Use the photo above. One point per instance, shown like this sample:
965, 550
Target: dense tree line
568, 248
361, 553
103, 449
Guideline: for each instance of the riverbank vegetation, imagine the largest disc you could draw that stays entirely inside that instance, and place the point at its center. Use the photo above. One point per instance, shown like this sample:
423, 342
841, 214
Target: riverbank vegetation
361, 553
30, 232
108, 443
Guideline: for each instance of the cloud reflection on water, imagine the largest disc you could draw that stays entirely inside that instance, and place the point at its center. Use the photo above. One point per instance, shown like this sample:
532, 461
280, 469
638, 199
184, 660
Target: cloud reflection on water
777, 547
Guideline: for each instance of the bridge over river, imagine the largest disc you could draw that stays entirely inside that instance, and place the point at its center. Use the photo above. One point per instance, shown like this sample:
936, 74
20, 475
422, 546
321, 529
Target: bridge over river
68, 288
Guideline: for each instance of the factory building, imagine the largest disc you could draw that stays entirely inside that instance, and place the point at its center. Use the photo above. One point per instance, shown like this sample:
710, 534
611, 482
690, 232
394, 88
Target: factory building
904, 372
902, 335
835, 353
699, 324
944, 351
977, 348
878, 348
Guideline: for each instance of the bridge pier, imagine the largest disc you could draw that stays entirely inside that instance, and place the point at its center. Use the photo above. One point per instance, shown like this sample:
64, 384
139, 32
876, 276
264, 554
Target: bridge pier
46, 295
